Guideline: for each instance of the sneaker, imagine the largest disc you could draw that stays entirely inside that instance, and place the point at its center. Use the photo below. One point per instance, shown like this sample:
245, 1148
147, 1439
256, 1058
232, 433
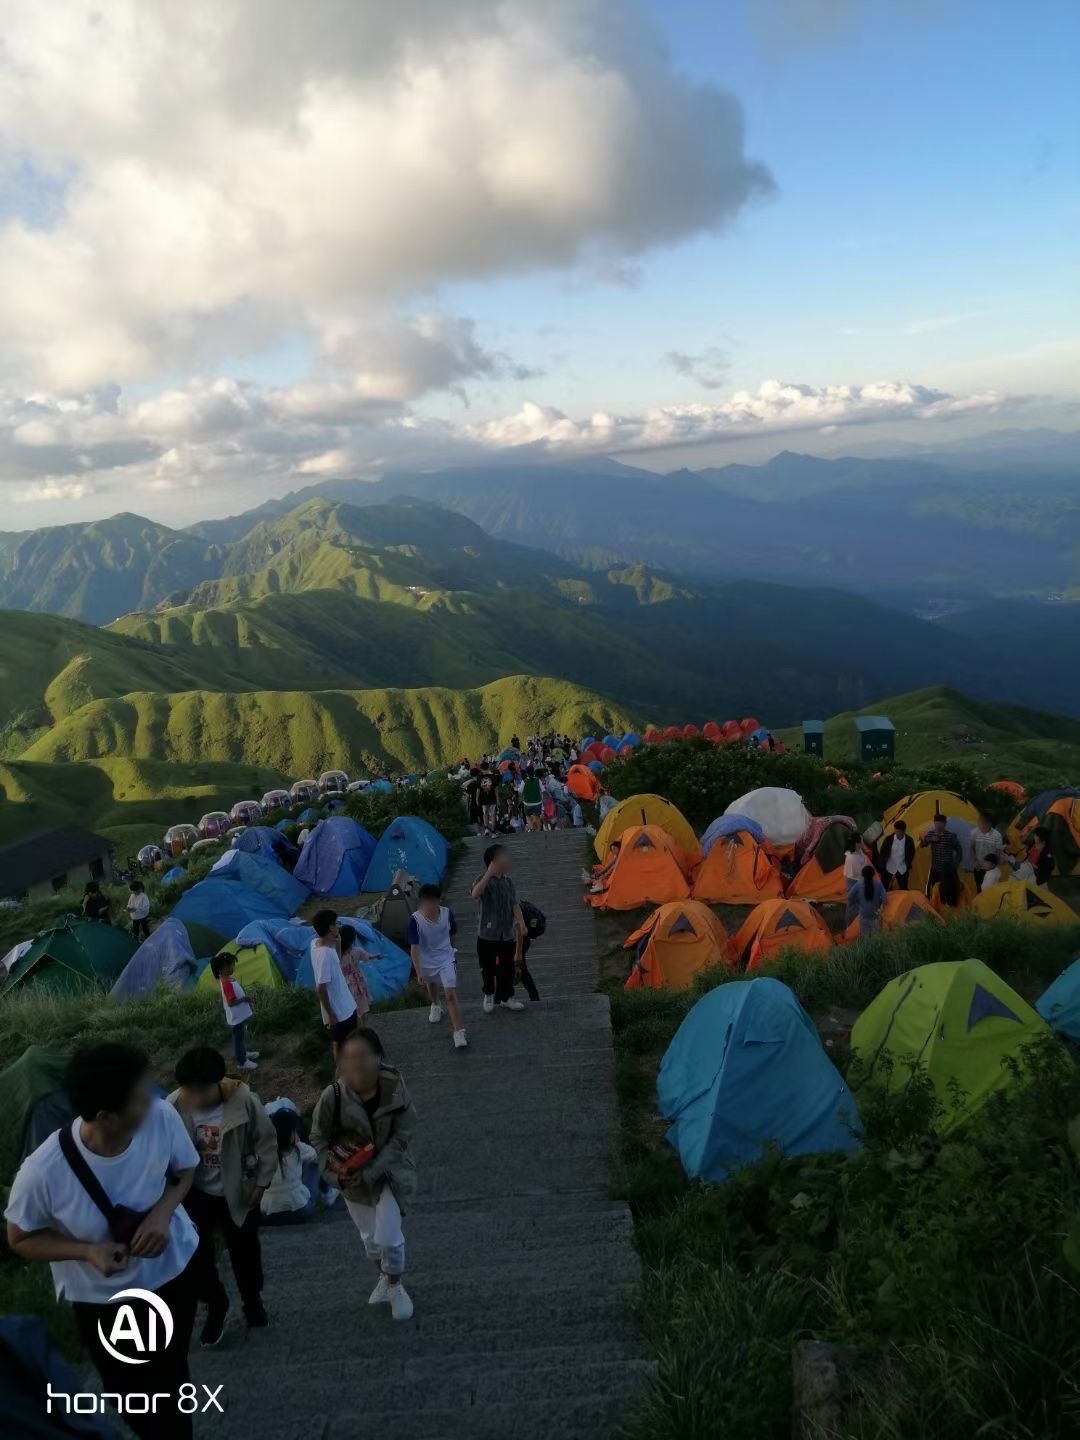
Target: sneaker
253, 1054
460, 1041
330, 1197
256, 1316
513, 1004
489, 1004
586, 876
434, 1015
249, 1064
401, 1307
381, 1294
214, 1329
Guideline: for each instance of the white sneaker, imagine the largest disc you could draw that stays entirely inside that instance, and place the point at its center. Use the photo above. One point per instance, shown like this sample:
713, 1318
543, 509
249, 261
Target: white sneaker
381, 1294
586, 876
514, 1004
489, 1004
330, 1197
434, 1015
460, 1041
401, 1307
253, 1054
248, 1064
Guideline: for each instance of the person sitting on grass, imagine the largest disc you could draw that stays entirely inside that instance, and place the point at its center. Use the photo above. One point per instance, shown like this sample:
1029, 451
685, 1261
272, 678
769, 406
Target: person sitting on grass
431, 932
291, 1195
601, 874
237, 1006
95, 905
238, 1152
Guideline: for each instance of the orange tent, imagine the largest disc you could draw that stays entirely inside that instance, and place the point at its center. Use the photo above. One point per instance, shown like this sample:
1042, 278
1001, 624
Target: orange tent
1012, 788
675, 944
777, 925
737, 871
821, 876
582, 783
902, 907
648, 870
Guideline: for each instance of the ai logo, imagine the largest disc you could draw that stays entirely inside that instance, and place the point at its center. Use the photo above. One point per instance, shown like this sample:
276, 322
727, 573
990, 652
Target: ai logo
126, 1329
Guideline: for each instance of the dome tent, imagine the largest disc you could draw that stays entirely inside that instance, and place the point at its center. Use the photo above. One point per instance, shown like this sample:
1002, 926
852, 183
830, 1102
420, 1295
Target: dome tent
216, 910
746, 1071
777, 925
410, 844
820, 875
781, 813
918, 811
737, 871
676, 943
336, 857
1021, 900
33, 1101
265, 876
729, 825
902, 907
164, 958
254, 966
387, 972
647, 810
1059, 1004
649, 869
958, 1020
269, 841
287, 941
72, 955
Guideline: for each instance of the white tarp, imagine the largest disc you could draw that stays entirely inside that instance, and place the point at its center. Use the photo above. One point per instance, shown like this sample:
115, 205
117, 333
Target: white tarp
781, 813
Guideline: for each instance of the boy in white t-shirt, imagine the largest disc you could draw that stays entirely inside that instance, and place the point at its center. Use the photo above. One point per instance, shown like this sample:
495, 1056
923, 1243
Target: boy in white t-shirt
335, 998
138, 907
237, 1007
431, 933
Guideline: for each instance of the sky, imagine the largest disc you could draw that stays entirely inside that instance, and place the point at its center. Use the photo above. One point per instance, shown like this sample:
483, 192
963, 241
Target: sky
246, 244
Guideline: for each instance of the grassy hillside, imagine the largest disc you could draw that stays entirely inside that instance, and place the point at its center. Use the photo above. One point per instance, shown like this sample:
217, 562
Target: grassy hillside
998, 742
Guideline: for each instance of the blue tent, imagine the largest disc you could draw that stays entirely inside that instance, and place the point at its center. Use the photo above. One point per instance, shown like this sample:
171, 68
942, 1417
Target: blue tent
285, 825
611, 742
215, 911
596, 766
381, 787
1059, 1004
267, 840
333, 804
589, 740
725, 825
264, 874
307, 815
746, 1071
630, 738
387, 972
334, 860
165, 958
410, 844
172, 876
288, 943
510, 754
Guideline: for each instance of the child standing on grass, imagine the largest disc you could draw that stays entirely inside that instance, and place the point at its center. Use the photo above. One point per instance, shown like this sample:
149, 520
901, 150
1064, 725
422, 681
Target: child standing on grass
138, 908
431, 932
237, 1007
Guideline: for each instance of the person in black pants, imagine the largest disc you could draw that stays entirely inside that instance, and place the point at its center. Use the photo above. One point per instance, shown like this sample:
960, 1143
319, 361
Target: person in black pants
500, 930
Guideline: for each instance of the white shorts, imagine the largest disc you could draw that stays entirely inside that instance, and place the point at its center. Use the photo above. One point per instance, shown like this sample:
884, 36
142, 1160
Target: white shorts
441, 969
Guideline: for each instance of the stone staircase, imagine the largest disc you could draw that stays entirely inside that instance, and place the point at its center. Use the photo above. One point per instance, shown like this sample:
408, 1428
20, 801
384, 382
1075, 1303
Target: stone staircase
521, 1266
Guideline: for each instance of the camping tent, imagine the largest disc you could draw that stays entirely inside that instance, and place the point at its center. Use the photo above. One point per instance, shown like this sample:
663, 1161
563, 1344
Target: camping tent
387, 972
902, 907
647, 810
34, 1102
264, 875
820, 875
959, 1020
582, 783
254, 966
649, 869
410, 844
781, 813
73, 955
737, 871
1021, 900
336, 857
287, 942
777, 925
1059, 1004
728, 825
918, 811
1061, 817
164, 958
675, 944
270, 841
747, 1071
216, 910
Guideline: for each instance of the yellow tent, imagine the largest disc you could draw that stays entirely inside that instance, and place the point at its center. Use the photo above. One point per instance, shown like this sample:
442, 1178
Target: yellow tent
254, 966
1020, 900
648, 810
918, 811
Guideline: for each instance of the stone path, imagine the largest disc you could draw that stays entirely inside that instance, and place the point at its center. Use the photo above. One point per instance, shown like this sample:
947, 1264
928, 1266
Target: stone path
521, 1266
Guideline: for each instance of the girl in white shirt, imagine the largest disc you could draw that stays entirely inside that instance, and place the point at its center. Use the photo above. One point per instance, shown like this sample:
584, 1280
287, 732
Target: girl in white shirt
289, 1198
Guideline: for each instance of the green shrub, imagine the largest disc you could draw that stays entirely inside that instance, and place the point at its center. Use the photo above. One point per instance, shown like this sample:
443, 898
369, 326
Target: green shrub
439, 801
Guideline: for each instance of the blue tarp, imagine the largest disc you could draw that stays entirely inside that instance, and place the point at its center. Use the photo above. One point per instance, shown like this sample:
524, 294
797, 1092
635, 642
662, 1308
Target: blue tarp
268, 841
166, 958
410, 844
287, 943
1059, 1004
747, 1071
221, 908
725, 825
387, 972
335, 859
172, 876
264, 874
1039, 804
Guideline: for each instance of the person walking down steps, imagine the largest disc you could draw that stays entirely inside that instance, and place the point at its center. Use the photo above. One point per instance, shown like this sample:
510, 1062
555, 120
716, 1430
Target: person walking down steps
431, 932
500, 930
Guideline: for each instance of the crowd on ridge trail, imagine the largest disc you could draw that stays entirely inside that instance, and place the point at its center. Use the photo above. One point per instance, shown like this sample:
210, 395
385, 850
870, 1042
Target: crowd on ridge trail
132, 1194
524, 788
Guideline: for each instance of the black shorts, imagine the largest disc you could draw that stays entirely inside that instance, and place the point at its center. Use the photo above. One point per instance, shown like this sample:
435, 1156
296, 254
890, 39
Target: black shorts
343, 1029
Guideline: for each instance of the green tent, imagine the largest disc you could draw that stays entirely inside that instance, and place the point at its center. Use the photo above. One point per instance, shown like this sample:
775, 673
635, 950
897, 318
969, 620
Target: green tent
74, 955
957, 1020
33, 1103
254, 966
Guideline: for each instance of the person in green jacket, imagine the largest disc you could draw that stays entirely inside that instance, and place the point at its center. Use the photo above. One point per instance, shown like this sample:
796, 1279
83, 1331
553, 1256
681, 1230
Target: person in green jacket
362, 1132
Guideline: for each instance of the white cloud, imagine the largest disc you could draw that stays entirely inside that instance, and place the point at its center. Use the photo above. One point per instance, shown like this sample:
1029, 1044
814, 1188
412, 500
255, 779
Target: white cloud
46, 491
709, 368
228, 171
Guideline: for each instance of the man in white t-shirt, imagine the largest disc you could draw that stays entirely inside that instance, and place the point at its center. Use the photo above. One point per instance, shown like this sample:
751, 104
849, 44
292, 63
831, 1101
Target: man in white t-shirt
132, 1152
335, 998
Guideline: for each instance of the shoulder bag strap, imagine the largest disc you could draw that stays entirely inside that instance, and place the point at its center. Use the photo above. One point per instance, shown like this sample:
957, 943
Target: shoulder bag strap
86, 1177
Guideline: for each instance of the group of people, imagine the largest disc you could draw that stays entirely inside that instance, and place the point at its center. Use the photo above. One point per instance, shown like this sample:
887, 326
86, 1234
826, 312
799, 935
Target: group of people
527, 793
97, 906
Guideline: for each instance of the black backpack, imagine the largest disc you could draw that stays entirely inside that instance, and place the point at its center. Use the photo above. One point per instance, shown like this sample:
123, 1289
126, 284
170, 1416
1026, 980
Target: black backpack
535, 919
